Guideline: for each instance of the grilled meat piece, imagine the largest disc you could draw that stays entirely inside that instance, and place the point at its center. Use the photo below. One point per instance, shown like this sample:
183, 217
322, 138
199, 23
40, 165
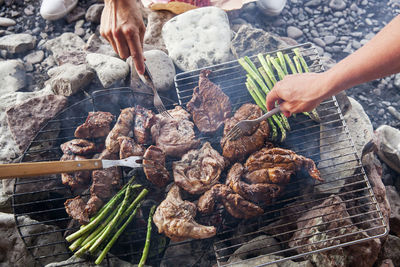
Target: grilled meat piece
75, 208
154, 166
78, 147
122, 127
106, 181
259, 193
175, 136
198, 170
209, 106
235, 204
276, 165
97, 124
239, 149
76, 180
128, 147
144, 119
93, 205
175, 218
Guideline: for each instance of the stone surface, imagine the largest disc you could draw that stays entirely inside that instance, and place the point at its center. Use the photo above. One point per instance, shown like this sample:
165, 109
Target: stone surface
12, 76
328, 220
391, 250
75, 261
5, 22
97, 44
34, 57
93, 14
13, 249
162, 69
250, 41
294, 32
17, 43
109, 70
388, 142
68, 79
67, 48
156, 21
260, 261
198, 38
26, 119
394, 200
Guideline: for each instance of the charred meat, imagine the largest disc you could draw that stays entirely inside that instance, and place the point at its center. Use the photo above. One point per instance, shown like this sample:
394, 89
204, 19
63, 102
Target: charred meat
97, 124
93, 205
209, 106
175, 218
78, 147
122, 127
154, 166
175, 136
128, 147
277, 165
144, 119
262, 192
75, 208
77, 180
234, 203
198, 170
239, 149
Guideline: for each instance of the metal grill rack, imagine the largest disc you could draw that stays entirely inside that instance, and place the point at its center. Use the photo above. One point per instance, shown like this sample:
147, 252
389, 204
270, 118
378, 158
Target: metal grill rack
328, 143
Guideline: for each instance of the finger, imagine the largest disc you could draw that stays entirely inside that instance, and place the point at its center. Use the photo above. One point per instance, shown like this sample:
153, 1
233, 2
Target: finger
272, 97
122, 45
141, 34
136, 52
108, 37
285, 109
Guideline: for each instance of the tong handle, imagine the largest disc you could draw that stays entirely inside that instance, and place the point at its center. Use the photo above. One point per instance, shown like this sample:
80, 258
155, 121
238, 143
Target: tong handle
17, 170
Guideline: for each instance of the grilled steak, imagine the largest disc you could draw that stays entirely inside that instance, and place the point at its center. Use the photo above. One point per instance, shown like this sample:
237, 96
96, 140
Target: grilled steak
97, 124
198, 170
277, 165
128, 147
209, 106
75, 208
239, 149
154, 166
144, 119
259, 193
235, 204
78, 147
77, 180
122, 127
93, 205
175, 136
175, 218
106, 181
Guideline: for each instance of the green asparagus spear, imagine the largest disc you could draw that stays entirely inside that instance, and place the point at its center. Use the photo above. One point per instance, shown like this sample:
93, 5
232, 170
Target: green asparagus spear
282, 62
148, 235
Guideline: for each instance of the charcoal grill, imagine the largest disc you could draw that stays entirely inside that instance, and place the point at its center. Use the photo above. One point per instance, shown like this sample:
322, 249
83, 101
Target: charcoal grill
328, 143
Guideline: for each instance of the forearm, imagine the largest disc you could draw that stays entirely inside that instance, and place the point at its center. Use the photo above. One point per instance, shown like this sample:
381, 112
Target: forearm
378, 58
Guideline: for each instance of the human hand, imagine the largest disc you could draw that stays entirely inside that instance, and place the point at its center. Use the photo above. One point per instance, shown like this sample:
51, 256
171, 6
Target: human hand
299, 92
122, 26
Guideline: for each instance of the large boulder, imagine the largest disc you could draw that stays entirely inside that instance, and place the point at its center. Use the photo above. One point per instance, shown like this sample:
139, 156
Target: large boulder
394, 200
156, 21
198, 38
388, 146
67, 48
17, 43
12, 76
162, 69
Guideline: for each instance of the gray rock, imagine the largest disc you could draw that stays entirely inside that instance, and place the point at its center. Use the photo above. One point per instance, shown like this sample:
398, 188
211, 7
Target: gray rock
313, 3
294, 32
392, 110
319, 42
6, 22
93, 14
261, 260
75, 261
97, 44
17, 43
198, 38
34, 57
156, 21
330, 39
388, 142
76, 14
337, 4
251, 41
162, 69
396, 81
109, 70
391, 251
68, 79
12, 76
16, 254
394, 200
67, 48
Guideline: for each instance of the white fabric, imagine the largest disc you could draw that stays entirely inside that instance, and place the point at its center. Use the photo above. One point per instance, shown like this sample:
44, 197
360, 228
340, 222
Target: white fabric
271, 7
56, 9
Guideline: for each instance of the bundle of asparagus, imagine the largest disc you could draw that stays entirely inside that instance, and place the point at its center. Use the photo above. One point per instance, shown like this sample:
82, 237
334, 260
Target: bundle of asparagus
108, 224
261, 80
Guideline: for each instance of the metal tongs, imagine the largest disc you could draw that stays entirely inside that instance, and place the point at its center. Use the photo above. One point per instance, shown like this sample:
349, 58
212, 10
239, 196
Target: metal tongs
157, 102
246, 126
28, 169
